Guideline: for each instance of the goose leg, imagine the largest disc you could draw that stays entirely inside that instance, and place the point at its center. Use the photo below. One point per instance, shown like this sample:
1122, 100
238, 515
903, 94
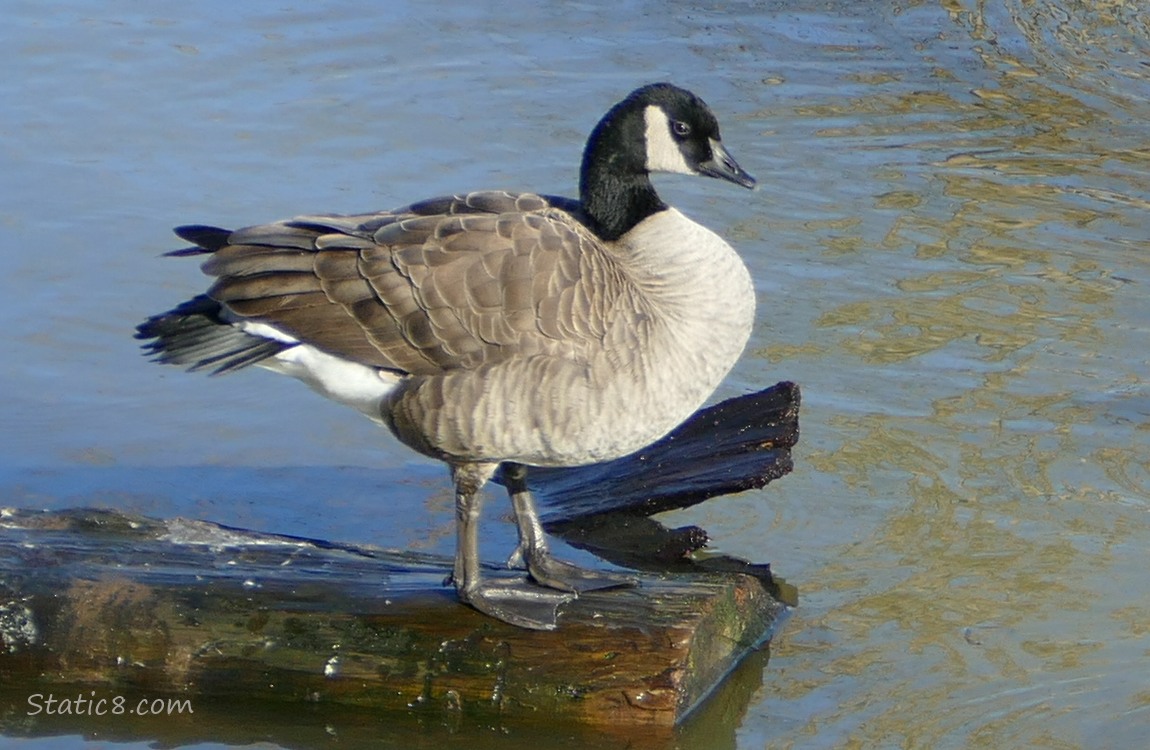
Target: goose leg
533, 551
513, 601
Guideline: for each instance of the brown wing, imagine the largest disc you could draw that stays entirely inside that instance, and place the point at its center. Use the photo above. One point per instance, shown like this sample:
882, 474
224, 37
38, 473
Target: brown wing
443, 284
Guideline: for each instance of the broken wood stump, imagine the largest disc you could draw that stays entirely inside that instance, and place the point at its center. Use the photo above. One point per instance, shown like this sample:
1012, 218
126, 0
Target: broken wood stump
191, 608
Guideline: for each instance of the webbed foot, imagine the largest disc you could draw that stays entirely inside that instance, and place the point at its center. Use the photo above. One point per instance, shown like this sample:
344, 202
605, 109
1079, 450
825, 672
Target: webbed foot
517, 602
562, 576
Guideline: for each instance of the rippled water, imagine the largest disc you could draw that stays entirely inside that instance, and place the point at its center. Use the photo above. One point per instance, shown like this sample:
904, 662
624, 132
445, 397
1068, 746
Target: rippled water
950, 244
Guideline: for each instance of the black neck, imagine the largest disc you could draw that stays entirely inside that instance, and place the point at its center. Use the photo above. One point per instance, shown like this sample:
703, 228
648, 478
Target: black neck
616, 203
614, 185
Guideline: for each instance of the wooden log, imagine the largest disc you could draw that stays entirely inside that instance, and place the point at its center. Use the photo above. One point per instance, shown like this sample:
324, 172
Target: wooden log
238, 722
191, 608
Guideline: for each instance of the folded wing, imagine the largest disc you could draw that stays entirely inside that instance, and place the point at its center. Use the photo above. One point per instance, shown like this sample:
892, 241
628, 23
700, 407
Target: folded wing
445, 284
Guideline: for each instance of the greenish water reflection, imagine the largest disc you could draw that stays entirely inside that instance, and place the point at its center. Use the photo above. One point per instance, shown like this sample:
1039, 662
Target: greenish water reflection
984, 415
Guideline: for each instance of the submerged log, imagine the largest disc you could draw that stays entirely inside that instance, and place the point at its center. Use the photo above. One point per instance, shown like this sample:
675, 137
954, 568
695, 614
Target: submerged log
183, 607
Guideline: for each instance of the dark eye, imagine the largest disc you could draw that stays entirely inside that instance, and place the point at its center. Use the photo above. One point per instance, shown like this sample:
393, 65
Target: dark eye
680, 128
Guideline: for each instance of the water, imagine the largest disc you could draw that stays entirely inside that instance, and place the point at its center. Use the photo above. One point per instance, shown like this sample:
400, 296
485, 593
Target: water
949, 241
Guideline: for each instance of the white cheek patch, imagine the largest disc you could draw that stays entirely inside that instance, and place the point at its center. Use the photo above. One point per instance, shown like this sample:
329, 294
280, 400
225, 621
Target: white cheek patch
663, 153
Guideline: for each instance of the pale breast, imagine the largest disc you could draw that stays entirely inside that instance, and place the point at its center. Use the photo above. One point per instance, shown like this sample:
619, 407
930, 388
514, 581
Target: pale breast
700, 301
681, 317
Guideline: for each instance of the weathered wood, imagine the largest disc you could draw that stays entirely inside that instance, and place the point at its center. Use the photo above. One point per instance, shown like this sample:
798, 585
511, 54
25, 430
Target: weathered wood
191, 608
239, 722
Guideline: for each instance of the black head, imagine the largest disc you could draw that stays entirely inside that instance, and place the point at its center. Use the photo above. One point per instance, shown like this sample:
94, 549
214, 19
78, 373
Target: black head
657, 128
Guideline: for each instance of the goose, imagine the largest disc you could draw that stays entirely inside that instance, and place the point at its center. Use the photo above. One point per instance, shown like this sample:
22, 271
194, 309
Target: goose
496, 329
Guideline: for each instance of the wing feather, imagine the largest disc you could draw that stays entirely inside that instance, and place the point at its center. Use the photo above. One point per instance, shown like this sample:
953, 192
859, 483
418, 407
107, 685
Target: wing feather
447, 283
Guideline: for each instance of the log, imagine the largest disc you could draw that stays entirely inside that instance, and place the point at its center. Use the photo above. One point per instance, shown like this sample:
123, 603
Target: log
131, 604
192, 608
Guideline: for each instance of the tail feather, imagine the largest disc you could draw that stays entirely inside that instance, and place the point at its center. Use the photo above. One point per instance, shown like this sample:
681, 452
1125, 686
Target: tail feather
196, 336
205, 239
202, 235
